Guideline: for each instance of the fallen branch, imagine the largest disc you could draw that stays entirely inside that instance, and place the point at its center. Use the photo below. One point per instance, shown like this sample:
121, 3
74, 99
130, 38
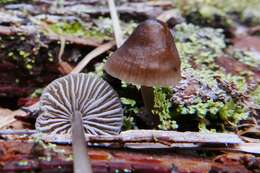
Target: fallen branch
145, 139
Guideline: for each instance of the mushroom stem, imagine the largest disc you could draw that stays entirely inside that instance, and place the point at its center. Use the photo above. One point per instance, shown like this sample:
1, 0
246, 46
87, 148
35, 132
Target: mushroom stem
81, 160
148, 99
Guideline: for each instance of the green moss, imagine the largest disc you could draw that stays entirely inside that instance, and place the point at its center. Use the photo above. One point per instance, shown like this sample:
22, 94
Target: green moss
37, 93
255, 95
232, 113
128, 123
130, 110
161, 108
76, 29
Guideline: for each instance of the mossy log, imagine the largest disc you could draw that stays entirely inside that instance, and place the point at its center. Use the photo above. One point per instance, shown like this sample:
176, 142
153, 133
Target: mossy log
29, 58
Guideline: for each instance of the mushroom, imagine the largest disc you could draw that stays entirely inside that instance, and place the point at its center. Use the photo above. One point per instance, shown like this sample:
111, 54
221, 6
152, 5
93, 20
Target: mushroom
79, 103
148, 58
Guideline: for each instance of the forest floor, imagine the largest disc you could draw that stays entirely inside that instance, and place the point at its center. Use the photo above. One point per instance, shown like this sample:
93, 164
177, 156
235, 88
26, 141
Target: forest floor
219, 46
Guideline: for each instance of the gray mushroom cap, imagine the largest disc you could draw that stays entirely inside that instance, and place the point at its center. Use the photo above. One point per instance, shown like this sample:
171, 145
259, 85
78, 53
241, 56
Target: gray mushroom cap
94, 98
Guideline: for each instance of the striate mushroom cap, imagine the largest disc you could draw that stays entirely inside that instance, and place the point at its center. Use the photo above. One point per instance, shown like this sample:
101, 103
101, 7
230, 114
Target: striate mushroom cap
94, 98
149, 57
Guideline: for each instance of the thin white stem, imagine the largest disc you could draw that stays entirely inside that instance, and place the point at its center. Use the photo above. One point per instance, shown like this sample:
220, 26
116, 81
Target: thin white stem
81, 161
116, 25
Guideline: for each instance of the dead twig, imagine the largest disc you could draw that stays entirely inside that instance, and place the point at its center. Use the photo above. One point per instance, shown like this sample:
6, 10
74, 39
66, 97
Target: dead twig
116, 25
94, 53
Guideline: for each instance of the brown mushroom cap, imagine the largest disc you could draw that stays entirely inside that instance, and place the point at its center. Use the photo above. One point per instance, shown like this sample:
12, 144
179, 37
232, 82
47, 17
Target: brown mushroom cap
149, 57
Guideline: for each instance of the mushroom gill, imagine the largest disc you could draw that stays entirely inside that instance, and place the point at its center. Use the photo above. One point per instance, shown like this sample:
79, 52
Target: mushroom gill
82, 95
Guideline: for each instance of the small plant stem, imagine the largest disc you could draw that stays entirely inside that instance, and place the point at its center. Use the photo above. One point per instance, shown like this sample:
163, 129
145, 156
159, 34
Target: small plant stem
116, 25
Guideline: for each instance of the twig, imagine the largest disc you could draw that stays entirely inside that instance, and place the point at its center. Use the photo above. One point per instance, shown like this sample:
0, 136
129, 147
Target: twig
137, 136
169, 139
62, 47
157, 136
116, 25
94, 53
145, 139
17, 132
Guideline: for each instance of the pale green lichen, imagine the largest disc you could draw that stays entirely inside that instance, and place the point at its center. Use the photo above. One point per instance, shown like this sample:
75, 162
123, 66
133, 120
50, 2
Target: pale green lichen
245, 57
208, 102
105, 25
199, 12
220, 12
199, 44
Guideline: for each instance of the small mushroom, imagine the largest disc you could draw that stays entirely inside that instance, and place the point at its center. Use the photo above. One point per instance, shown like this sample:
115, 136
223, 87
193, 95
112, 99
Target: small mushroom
148, 58
79, 103
89, 95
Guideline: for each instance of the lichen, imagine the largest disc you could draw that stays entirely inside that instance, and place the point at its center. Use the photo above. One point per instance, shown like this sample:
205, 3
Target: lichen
220, 13
104, 25
219, 106
201, 45
202, 13
245, 57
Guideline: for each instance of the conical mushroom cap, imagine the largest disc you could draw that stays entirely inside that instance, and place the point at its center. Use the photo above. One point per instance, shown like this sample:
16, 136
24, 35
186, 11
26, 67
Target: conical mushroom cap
149, 57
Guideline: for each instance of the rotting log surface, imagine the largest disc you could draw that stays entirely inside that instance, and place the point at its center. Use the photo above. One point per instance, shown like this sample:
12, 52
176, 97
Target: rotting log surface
29, 58
20, 156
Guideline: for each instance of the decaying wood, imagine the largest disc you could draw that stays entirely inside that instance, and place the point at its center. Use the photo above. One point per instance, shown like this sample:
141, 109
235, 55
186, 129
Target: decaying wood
29, 156
16, 79
133, 10
12, 30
